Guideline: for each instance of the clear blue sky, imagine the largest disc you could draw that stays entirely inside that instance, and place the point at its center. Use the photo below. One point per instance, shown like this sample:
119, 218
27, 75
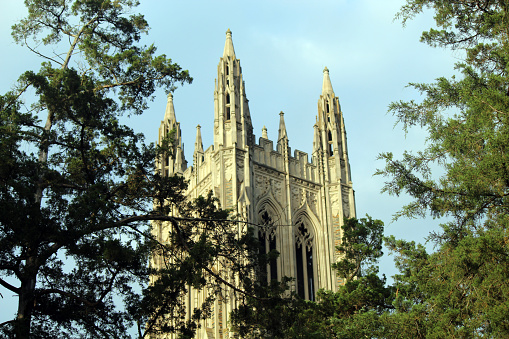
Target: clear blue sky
283, 47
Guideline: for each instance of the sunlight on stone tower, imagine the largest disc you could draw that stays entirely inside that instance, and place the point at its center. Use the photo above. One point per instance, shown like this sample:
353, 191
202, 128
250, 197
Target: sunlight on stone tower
298, 203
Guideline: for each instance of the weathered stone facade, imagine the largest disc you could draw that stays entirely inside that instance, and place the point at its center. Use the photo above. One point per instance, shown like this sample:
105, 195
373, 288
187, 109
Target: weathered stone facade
305, 200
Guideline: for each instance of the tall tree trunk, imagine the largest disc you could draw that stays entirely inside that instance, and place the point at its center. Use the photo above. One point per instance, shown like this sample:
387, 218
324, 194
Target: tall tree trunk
26, 304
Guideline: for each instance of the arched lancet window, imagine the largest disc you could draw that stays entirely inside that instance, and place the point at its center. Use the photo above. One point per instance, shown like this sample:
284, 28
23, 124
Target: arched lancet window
267, 238
304, 262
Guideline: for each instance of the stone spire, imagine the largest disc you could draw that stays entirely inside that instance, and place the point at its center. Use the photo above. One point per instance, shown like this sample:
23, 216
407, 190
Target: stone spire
282, 127
282, 140
169, 114
232, 120
174, 162
228, 46
198, 144
316, 139
264, 132
198, 148
327, 85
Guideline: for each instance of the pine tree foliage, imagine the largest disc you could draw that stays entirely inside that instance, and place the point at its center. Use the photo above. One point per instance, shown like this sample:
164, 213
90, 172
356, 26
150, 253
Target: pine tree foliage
461, 289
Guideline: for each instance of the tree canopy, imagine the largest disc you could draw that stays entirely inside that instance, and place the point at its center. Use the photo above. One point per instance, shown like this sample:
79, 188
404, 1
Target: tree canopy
78, 188
460, 289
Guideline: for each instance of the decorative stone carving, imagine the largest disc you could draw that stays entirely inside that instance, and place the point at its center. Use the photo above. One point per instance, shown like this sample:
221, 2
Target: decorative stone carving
267, 226
303, 237
346, 201
312, 201
334, 199
276, 189
262, 185
295, 194
228, 168
240, 170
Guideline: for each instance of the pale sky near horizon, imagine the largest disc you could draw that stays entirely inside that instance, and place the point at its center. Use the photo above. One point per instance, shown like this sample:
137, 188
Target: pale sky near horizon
283, 47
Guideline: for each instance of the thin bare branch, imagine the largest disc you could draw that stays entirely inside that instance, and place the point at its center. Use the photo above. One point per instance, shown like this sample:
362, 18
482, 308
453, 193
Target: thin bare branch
9, 286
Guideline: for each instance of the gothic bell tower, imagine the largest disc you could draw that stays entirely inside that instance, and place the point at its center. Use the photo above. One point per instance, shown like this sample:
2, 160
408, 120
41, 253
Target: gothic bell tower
332, 134
296, 205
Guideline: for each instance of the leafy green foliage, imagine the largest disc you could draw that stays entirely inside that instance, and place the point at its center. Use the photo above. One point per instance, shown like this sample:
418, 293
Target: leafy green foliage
361, 245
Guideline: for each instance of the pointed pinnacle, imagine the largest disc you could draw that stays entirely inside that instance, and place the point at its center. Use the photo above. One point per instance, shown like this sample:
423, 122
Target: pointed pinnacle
228, 46
327, 85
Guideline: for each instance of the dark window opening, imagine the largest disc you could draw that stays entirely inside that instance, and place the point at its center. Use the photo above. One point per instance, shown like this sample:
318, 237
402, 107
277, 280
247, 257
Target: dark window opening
227, 113
227, 69
311, 287
327, 107
331, 150
227, 98
300, 272
263, 249
267, 238
273, 262
304, 262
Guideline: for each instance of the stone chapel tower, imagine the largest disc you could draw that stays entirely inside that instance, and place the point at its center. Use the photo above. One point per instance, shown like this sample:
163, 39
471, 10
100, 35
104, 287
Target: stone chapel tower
269, 186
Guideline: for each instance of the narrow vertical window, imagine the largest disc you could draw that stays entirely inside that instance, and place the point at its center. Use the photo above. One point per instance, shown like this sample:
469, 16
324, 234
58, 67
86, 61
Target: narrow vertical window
311, 282
267, 238
300, 271
273, 262
331, 149
227, 106
304, 262
263, 249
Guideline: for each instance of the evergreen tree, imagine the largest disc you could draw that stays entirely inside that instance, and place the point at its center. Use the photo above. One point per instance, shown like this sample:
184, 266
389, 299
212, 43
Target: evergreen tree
78, 188
461, 289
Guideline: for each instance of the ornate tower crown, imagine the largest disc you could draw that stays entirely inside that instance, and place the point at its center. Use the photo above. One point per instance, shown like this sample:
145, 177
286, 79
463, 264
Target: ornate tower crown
232, 121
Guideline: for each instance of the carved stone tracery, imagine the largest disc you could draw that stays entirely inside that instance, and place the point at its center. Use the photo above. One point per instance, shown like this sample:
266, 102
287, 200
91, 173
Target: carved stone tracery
303, 237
